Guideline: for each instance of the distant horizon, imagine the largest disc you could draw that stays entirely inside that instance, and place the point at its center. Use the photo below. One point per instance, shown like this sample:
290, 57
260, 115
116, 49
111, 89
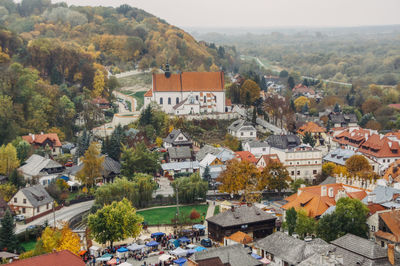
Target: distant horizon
263, 13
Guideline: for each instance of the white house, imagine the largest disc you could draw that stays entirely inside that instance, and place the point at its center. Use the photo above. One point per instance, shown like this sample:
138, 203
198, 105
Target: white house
38, 166
188, 92
258, 148
242, 129
31, 201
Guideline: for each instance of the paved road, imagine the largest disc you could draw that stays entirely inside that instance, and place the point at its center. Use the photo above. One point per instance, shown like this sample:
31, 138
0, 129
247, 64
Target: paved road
165, 188
129, 73
63, 214
124, 97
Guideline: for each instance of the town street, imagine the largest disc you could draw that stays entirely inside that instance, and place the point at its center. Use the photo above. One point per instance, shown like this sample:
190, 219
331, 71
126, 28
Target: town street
64, 214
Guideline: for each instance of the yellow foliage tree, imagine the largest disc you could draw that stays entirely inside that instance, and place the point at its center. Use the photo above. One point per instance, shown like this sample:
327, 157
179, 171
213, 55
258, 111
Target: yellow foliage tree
159, 141
98, 84
8, 159
7, 191
249, 92
300, 102
92, 165
214, 68
60, 239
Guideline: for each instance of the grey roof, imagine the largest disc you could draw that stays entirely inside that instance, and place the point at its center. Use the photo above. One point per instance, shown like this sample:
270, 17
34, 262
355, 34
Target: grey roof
382, 194
274, 129
37, 195
180, 165
360, 246
205, 150
183, 152
257, 144
339, 156
329, 180
283, 141
241, 215
109, 166
343, 118
291, 249
171, 138
235, 255
36, 164
242, 125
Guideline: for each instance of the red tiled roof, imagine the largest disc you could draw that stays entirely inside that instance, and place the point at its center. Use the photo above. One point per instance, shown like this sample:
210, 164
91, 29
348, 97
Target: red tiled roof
240, 237
40, 138
189, 81
393, 134
100, 100
269, 158
61, 258
374, 207
380, 146
246, 156
392, 221
393, 171
357, 195
149, 93
311, 127
395, 105
300, 88
353, 137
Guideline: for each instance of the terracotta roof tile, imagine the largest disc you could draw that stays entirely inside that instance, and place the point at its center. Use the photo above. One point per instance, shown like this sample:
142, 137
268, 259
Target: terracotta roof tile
61, 258
311, 127
246, 156
392, 221
189, 81
353, 137
40, 138
357, 195
393, 172
374, 207
240, 237
269, 158
380, 146
386, 235
149, 93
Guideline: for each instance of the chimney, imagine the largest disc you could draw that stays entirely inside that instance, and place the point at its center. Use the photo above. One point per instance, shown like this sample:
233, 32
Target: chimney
330, 192
391, 253
323, 191
33, 136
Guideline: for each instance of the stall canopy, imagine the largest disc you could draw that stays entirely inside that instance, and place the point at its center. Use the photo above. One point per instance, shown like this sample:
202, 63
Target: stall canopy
265, 261
66, 178
164, 257
199, 227
184, 239
157, 234
122, 250
112, 262
175, 242
105, 257
179, 252
135, 247
180, 261
198, 249
257, 257
125, 264
191, 246
152, 244
191, 251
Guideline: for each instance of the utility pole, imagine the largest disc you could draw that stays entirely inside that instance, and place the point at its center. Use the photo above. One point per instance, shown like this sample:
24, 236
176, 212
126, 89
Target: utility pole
54, 215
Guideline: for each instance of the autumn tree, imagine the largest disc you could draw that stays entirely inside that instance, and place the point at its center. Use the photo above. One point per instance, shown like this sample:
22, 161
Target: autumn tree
60, 239
7, 191
98, 83
249, 92
300, 102
328, 169
241, 177
8, 159
371, 105
115, 222
357, 163
232, 142
194, 215
275, 176
92, 165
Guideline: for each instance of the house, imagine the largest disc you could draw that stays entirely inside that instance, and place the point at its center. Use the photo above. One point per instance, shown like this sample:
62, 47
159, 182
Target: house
265, 160
242, 129
38, 166
339, 156
3, 179
392, 173
248, 219
176, 138
343, 120
282, 249
315, 130
206, 149
180, 167
179, 154
200, 92
215, 160
352, 138
3, 207
233, 255
283, 142
42, 140
101, 103
238, 238
256, 147
246, 156
60, 258
389, 229
303, 90
31, 201
302, 161
316, 200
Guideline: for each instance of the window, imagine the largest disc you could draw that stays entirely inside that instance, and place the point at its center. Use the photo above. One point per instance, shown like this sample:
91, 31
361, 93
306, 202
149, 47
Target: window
205, 99
241, 133
161, 100
215, 98
251, 133
24, 200
264, 149
316, 162
47, 206
384, 160
292, 173
169, 100
298, 172
290, 163
38, 209
23, 210
15, 200
314, 172
373, 228
177, 100
197, 97
297, 162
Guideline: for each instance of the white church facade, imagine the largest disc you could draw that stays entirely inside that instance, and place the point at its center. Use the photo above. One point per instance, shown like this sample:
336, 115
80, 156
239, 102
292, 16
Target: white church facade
189, 93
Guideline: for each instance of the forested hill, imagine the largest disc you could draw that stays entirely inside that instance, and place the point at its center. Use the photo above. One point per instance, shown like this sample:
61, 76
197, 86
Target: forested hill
54, 59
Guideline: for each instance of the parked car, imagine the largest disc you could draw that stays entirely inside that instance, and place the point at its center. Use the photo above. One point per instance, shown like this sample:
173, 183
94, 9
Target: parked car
19, 217
69, 164
206, 242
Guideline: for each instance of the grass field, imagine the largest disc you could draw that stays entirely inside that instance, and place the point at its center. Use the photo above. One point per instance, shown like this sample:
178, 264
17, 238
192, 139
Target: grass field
28, 245
143, 79
216, 210
165, 215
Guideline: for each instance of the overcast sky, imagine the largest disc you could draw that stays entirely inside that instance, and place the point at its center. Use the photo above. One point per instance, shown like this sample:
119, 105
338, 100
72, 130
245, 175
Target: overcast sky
264, 13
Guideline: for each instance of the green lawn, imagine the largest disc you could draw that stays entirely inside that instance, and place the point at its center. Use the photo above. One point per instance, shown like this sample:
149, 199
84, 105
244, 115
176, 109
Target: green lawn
139, 96
216, 210
142, 79
29, 245
165, 215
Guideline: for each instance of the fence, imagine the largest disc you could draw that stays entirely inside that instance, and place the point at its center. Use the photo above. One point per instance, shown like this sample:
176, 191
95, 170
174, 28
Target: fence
28, 220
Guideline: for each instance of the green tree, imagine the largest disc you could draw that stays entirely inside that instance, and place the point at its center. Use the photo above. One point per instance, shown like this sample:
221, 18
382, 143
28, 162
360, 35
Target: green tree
138, 160
190, 188
206, 174
304, 225
328, 227
291, 218
23, 148
336, 109
283, 74
249, 92
115, 222
113, 146
296, 184
8, 240
17, 179
352, 214
309, 139
83, 143
275, 176
305, 108
290, 82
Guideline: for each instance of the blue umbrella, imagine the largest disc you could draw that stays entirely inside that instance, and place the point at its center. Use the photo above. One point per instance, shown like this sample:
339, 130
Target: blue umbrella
180, 261
257, 257
152, 244
184, 239
122, 250
198, 249
199, 226
157, 234
66, 178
